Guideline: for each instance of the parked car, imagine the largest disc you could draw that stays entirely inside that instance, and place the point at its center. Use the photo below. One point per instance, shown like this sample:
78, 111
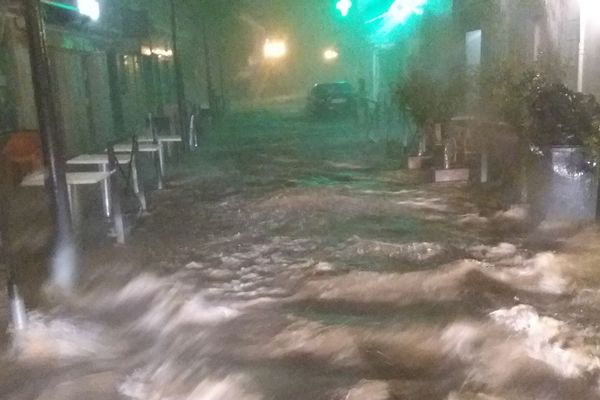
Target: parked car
334, 98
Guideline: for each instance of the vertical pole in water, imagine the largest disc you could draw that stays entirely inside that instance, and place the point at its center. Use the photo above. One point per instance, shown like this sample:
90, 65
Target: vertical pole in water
223, 102
581, 52
208, 72
484, 164
63, 263
18, 315
192, 133
178, 73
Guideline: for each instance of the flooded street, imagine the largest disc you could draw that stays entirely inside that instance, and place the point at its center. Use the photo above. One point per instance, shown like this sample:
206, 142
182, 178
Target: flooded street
297, 260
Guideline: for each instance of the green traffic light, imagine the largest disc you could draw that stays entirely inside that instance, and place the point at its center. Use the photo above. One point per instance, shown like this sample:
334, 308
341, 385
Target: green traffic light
344, 6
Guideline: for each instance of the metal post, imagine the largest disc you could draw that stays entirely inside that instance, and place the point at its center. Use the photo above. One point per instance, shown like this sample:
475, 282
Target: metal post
422, 143
181, 108
223, 102
116, 102
376, 71
106, 190
137, 186
192, 133
63, 263
208, 72
157, 166
484, 164
117, 214
18, 314
151, 128
581, 58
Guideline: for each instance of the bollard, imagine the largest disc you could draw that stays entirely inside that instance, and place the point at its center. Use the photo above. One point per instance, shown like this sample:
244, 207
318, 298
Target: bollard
484, 165
18, 313
193, 144
422, 145
116, 211
138, 187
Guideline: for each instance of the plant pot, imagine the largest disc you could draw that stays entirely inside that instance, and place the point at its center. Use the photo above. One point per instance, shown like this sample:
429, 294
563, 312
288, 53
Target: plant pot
570, 187
419, 161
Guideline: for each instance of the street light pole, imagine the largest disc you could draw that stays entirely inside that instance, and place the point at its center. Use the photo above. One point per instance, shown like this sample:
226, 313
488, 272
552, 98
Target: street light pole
582, 38
222, 103
208, 71
181, 108
63, 263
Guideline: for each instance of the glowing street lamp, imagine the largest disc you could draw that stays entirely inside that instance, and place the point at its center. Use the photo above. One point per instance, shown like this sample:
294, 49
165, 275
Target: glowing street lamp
330, 55
89, 8
274, 49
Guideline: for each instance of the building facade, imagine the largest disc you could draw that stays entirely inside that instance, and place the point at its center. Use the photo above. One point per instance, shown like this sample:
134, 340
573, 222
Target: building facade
108, 74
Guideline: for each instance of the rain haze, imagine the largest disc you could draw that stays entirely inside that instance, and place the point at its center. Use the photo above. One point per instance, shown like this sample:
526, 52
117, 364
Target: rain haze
299, 200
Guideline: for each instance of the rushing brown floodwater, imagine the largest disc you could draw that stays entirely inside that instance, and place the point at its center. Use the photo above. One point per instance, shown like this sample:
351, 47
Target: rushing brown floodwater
293, 261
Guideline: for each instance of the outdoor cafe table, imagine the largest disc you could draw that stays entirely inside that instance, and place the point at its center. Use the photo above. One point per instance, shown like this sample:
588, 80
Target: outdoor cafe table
75, 179
101, 160
162, 140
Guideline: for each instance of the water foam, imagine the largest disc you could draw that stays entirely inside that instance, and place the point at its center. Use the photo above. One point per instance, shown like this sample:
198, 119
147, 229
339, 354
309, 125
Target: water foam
162, 384
417, 252
369, 390
516, 213
543, 273
543, 341
56, 338
500, 251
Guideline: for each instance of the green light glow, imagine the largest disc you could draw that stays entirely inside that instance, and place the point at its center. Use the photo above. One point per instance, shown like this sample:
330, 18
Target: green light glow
401, 10
401, 18
60, 5
344, 7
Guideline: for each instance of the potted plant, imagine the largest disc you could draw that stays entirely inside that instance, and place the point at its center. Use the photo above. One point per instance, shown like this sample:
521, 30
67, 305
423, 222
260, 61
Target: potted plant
562, 129
414, 96
504, 94
429, 101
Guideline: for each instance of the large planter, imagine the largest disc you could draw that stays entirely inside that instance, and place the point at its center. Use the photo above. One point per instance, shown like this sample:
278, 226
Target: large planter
571, 188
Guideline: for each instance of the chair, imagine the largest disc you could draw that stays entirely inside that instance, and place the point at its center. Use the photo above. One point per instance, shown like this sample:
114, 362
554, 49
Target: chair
133, 175
117, 213
138, 186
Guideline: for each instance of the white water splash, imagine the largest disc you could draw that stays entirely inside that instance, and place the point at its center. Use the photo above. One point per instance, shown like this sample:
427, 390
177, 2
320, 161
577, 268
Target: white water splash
502, 250
543, 274
412, 252
158, 384
472, 219
543, 340
428, 204
53, 338
472, 396
516, 213
141, 286
369, 390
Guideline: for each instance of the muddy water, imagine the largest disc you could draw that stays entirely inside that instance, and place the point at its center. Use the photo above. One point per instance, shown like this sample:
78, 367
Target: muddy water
312, 268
